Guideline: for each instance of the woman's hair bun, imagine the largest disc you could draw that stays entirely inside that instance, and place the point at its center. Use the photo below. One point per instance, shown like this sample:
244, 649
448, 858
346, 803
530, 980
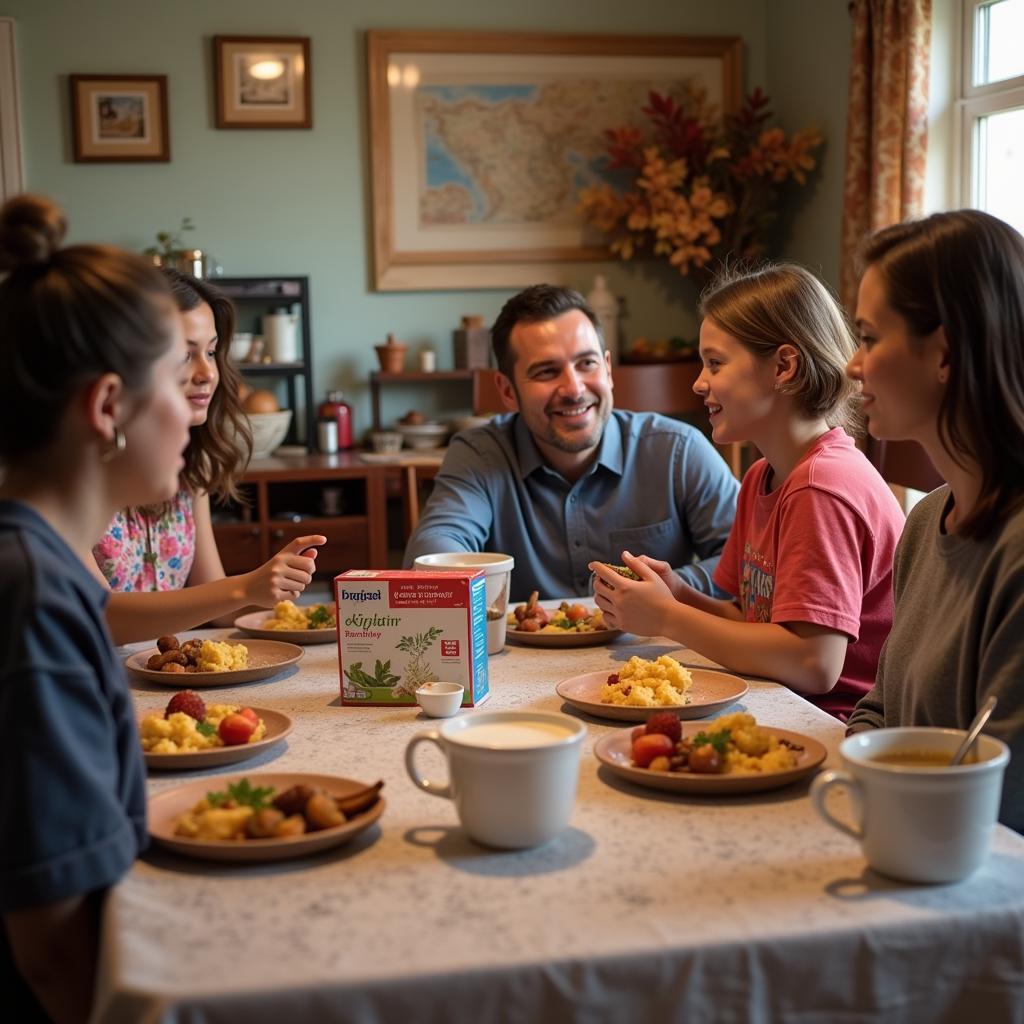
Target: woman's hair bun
31, 231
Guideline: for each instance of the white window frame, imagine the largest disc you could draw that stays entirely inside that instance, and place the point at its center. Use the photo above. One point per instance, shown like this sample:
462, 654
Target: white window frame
977, 102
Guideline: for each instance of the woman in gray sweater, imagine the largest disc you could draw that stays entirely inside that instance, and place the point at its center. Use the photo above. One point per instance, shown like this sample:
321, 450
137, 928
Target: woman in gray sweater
940, 316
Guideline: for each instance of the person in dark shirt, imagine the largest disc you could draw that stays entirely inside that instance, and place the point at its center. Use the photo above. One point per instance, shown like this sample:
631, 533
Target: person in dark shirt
94, 418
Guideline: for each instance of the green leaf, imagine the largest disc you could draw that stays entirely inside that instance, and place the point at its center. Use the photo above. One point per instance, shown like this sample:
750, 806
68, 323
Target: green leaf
719, 740
206, 728
243, 793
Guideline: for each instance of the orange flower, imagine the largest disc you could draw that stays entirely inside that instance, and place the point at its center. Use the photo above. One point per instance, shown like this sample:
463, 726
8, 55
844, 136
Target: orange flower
703, 185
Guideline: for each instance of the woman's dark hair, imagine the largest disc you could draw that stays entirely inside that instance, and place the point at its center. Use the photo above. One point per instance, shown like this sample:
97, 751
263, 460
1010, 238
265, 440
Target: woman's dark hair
221, 447
963, 271
533, 305
68, 316
784, 304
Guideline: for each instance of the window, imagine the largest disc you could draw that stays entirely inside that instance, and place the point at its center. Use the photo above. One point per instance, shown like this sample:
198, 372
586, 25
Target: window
993, 108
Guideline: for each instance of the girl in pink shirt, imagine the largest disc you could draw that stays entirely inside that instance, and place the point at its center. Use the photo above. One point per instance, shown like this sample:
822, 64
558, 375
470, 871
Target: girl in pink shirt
810, 554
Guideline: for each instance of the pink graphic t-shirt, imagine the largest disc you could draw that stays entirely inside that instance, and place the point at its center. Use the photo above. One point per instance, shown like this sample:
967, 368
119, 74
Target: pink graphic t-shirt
819, 549
149, 549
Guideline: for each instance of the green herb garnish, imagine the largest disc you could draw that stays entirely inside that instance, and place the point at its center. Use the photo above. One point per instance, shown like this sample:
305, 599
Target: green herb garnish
243, 794
206, 728
719, 740
319, 617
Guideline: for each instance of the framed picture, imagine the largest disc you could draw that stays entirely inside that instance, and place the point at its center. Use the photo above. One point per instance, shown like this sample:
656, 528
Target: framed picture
480, 144
262, 82
119, 118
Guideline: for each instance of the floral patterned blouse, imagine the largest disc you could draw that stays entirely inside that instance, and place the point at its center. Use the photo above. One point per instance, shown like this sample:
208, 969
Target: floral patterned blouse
149, 549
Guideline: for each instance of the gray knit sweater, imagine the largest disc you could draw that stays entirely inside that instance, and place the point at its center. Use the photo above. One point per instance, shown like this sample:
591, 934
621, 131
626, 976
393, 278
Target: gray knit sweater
957, 637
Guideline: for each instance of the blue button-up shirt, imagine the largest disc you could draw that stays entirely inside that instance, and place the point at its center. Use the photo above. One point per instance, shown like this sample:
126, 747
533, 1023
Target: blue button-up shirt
657, 487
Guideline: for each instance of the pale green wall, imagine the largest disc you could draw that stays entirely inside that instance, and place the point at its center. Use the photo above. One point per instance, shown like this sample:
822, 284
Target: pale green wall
297, 201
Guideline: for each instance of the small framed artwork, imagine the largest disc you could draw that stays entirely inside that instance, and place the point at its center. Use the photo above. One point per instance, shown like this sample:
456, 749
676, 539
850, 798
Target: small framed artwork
119, 118
262, 82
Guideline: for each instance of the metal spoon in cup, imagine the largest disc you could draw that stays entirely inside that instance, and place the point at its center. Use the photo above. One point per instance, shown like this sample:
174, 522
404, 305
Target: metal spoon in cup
976, 726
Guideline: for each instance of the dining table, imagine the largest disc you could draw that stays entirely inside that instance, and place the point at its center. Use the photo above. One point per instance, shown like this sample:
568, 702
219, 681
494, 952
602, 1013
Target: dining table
650, 906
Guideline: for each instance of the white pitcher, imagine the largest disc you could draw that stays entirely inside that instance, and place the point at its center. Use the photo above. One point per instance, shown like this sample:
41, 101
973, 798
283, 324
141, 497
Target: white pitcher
281, 336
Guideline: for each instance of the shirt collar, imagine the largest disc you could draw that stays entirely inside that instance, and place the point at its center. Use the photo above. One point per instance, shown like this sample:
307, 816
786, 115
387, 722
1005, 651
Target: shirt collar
609, 452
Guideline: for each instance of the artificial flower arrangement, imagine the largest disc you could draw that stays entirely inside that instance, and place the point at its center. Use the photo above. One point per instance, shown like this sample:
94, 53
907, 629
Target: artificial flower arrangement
700, 186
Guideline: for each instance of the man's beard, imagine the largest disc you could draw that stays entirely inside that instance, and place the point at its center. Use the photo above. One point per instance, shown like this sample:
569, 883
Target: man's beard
579, 441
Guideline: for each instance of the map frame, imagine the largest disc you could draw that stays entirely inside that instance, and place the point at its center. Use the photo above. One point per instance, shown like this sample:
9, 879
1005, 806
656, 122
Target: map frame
408, 258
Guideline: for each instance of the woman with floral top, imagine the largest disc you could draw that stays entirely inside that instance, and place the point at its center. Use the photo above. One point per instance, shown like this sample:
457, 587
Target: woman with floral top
150, 555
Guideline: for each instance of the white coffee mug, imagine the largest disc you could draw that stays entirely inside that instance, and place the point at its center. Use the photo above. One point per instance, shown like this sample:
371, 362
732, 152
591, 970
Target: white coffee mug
498, 570
917, 822
512, 774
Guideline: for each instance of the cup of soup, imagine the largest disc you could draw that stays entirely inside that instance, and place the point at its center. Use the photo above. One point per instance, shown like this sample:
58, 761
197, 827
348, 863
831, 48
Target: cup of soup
498, 570
512, 775
916, 817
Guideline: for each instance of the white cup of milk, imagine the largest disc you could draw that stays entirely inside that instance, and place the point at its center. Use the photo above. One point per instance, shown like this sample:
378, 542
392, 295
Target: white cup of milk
511, 774
498, 570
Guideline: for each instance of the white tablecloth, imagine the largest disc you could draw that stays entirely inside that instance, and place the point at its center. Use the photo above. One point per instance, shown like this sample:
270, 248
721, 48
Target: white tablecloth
650, 907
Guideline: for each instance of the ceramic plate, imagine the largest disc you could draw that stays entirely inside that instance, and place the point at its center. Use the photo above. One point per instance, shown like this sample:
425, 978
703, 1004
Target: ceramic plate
278, 726
566, 639
166, 807
614, 751
250, 625
266, 658
711, 691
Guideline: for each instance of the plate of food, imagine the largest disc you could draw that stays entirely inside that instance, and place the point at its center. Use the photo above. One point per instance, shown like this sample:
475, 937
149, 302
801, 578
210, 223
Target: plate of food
568, 625
732, 754
211, 662
189, 733
263, 816
295, 624
639, 688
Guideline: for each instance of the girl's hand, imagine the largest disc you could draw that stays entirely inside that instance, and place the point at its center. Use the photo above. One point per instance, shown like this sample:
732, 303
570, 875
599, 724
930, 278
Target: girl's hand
638, 606
286, 575
677, 588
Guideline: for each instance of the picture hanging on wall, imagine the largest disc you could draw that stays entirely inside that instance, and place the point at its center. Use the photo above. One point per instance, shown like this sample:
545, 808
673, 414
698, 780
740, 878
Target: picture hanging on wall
262, 82
119, 118
481, 143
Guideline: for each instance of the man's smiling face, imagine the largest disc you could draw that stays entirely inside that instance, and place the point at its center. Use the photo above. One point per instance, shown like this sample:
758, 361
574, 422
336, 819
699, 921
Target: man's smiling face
562, 382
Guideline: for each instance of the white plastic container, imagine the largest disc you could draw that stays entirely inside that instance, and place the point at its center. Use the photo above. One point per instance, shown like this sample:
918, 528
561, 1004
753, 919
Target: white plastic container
498, 570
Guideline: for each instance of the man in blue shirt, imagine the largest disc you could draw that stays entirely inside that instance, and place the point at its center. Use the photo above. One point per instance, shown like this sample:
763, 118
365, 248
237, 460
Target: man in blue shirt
564, 480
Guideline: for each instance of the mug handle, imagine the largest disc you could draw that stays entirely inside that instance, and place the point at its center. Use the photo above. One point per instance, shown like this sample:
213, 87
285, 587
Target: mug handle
433, 788
822, 784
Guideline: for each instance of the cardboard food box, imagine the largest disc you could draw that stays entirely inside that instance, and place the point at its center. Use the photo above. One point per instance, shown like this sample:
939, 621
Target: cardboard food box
399, 629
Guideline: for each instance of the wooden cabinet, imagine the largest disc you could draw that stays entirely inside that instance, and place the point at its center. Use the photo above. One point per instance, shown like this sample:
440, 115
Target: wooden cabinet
283, 489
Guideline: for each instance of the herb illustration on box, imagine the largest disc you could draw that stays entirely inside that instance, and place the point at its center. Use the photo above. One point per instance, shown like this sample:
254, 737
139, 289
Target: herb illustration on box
382, 675
418, 670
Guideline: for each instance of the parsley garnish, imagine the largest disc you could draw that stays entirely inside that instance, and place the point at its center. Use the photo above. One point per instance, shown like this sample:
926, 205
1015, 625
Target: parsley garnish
206, 728
719, 740
319, 617
245, 795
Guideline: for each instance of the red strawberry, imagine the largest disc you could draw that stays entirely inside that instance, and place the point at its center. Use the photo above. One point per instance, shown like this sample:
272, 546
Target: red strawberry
666, 723
189, 702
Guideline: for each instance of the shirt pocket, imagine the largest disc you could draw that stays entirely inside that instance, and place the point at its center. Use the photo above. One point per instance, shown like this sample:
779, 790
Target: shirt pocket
643, 540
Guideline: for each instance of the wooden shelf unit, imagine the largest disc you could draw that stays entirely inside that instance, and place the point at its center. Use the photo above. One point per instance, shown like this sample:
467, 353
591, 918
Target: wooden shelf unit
356, 538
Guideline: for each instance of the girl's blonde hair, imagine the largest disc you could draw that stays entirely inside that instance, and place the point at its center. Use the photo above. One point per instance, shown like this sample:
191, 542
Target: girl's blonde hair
784, 304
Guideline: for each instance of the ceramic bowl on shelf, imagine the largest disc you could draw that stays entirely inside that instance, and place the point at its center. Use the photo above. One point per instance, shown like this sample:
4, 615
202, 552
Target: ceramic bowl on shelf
386, 441
469, 422
423, 435
268, 431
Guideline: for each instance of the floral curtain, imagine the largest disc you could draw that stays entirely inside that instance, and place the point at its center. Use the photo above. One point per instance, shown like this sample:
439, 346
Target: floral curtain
887, 127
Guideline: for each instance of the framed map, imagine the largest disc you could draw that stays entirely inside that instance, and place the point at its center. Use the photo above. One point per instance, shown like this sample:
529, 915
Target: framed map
480, 144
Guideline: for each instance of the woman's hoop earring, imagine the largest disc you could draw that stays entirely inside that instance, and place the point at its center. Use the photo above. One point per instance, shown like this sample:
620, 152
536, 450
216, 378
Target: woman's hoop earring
115, 447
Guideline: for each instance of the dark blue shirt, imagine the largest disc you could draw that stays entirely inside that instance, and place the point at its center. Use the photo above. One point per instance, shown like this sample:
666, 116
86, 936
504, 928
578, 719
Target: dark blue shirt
72, 778
656, 487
